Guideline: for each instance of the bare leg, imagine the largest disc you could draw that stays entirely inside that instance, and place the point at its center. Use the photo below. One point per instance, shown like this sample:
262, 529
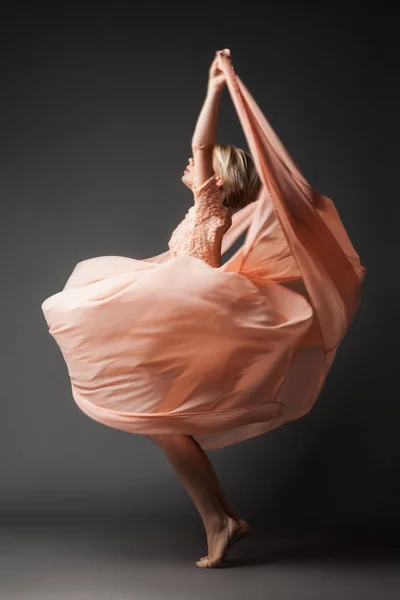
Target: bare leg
194, 469
219, 490
224, 500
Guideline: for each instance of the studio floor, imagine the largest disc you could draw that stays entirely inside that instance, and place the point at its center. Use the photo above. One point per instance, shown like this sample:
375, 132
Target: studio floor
155, 559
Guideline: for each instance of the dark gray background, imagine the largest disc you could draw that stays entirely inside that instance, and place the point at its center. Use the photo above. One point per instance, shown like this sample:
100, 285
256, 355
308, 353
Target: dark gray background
97, 113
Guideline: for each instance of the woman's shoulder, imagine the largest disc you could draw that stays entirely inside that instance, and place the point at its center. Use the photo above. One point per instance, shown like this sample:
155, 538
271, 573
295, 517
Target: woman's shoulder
208, 198
209, 188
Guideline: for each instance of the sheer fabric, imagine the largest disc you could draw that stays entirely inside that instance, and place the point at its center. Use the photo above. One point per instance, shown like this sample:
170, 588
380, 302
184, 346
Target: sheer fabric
169, 344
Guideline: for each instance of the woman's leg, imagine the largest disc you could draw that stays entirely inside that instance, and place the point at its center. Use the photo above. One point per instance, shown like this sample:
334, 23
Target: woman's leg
197, 475
219, 489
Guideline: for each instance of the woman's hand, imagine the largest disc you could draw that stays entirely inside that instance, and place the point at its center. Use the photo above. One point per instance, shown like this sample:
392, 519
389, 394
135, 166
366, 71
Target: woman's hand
216, 77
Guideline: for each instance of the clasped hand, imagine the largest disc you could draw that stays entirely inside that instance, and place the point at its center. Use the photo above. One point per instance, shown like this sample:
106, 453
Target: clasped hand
216, 77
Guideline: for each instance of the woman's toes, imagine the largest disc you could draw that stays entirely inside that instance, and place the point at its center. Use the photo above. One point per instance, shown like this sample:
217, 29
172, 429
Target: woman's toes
203, 562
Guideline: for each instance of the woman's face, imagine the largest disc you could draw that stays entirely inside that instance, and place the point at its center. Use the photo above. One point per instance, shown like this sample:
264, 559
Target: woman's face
189, 174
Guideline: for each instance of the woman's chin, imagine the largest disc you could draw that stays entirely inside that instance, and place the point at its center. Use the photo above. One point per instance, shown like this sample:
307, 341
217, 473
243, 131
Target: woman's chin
186, 182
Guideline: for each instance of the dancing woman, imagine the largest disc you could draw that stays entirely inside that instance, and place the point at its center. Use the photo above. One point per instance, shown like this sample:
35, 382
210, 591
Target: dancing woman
198, 355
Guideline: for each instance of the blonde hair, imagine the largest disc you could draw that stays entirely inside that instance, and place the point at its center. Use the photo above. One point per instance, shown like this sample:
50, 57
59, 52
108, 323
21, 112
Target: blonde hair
241, 182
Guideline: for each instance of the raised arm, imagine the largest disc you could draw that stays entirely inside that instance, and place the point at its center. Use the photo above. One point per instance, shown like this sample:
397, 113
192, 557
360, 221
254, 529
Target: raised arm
204, 137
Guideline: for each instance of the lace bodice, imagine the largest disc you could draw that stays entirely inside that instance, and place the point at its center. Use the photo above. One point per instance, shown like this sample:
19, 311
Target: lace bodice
199, 234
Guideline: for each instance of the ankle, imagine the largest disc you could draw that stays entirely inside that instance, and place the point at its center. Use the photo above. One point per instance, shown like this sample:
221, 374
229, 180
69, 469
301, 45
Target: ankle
216, 523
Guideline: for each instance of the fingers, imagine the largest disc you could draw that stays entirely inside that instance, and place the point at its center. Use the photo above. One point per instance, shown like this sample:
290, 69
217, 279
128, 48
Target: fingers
216, 62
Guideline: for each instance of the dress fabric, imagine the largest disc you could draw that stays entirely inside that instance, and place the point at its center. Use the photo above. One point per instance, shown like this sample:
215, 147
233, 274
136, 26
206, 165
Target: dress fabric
173, 344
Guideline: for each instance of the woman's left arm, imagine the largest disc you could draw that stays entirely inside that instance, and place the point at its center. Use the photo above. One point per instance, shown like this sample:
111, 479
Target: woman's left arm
204, 137
205, 132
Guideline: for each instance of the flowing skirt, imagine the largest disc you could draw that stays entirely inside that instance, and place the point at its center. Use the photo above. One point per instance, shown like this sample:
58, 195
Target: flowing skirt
173, 345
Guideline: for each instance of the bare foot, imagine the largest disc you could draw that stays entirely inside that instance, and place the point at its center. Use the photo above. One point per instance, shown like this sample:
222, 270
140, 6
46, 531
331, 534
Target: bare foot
219, 543
243, 529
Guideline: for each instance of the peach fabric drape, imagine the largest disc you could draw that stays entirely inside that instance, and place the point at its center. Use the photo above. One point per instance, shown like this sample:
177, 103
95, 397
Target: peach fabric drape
172, 345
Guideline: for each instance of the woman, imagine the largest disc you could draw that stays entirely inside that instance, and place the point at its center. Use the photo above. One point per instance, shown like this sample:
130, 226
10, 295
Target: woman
199, 355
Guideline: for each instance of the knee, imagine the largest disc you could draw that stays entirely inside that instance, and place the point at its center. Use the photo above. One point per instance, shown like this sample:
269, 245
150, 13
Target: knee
158, 439
167, 439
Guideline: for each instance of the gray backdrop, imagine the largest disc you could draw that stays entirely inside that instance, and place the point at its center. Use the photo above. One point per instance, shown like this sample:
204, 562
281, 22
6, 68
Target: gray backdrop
97, 114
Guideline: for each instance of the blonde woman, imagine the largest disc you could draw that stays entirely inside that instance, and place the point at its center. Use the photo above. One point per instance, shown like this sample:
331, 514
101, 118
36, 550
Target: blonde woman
198, 355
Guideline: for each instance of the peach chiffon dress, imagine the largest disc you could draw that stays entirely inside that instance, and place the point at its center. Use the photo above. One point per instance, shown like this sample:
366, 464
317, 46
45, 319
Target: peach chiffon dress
176, 344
